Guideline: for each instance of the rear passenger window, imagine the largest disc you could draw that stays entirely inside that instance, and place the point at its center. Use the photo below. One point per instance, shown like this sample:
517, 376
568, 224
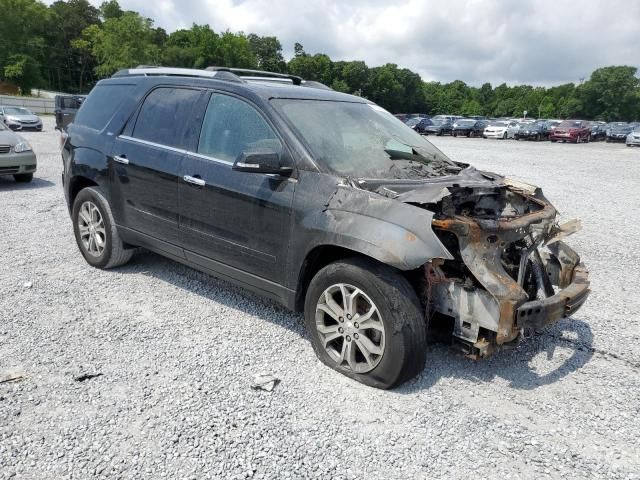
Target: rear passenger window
232, 126
164, 115
101, 104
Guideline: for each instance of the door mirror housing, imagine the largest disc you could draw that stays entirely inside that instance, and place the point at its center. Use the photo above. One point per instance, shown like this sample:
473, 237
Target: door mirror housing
261, 160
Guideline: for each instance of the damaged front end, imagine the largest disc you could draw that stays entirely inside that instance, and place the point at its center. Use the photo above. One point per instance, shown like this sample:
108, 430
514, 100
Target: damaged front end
510, 273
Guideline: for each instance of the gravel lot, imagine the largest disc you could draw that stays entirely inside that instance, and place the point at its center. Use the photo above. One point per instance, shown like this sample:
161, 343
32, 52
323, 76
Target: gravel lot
177, 350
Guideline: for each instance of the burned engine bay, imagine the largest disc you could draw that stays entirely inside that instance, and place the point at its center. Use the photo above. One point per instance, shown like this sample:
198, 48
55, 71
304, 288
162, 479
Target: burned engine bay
509, 273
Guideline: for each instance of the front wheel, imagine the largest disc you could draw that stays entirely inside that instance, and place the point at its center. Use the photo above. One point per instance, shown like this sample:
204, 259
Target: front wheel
95, 231
365, 321
504, 137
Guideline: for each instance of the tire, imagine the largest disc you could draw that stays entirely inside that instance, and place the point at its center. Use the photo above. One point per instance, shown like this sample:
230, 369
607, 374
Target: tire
537, 137
504, 137
23, 177
113, 252
455, 134
553, 140
398, 310
578, 139
588, 139
608, 141
628, 144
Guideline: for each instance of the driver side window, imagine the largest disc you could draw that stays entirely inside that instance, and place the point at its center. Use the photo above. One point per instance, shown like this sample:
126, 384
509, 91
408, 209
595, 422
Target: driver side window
232, 126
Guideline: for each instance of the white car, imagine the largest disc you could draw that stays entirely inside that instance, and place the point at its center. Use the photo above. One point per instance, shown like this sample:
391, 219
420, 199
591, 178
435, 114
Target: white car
633, 138
501, 129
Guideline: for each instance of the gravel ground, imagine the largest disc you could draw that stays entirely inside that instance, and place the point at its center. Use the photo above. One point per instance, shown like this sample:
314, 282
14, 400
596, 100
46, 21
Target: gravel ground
176, 351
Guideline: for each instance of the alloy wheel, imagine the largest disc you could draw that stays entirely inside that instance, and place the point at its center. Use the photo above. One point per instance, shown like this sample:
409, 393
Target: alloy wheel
350, 328
91, 229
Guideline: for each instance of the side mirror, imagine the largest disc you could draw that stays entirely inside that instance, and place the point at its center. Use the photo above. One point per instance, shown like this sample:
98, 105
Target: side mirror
261, 160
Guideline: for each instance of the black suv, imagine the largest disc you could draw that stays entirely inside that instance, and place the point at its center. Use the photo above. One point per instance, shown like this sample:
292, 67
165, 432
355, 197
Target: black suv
322, 201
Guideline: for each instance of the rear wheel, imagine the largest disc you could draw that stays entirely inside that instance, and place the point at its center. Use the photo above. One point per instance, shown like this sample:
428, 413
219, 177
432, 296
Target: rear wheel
365, 321
95, 231
23, 177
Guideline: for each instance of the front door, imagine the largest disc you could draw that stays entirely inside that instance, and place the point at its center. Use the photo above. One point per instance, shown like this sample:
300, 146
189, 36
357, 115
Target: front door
146, 164
230, 218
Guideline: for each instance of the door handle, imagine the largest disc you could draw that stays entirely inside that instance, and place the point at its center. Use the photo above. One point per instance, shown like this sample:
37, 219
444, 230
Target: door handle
121, 159
194, 180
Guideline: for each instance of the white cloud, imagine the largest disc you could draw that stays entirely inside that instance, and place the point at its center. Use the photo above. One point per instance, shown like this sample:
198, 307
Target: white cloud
536, 42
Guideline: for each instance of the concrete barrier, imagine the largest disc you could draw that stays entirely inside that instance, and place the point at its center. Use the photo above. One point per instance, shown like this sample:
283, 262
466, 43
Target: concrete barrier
36, 105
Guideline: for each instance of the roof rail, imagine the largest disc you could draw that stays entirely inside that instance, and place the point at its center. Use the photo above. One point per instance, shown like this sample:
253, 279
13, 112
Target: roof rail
220, 73
145, 70
258, 73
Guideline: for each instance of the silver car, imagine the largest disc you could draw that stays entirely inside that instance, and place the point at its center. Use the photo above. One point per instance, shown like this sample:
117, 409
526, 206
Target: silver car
16, 156
20, 118
633, 139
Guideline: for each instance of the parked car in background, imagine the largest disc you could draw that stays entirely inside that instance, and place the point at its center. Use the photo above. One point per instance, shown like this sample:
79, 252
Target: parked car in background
439, 126
533, 131
66, 107
20, 118
575, 131
598, 132
499, 129
422, 125
468, 127
16, 156
633, 139
617, 132
412, 122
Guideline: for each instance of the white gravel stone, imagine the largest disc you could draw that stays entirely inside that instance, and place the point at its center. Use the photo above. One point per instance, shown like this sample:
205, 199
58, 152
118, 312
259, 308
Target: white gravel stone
177, 350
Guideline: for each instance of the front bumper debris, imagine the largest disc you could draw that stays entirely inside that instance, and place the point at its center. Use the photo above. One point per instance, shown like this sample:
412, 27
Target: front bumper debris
496, 302
540, 313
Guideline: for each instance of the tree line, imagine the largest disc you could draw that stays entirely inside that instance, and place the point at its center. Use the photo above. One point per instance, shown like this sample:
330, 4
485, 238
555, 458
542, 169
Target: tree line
70, 45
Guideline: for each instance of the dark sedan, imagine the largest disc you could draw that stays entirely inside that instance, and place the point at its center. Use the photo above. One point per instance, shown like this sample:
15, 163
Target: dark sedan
533, 131
598, 132
469, 127
439, 126
617, 132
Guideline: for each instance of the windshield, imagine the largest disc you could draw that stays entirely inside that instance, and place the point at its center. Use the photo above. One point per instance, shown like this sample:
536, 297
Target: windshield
16, 111
498, 124
362, 140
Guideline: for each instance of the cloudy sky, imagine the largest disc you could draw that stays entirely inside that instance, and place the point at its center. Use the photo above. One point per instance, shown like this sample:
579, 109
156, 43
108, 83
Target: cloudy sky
522, 41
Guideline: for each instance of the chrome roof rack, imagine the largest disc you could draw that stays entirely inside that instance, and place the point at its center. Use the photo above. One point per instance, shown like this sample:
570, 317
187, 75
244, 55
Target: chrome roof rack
146, 70
258, 73
237, 75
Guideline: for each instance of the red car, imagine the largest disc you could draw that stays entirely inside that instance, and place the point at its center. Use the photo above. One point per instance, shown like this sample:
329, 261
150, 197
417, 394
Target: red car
575, 131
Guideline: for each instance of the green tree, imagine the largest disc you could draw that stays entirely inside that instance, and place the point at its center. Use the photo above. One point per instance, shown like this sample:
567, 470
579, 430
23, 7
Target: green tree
611, 93
235, 51
67, 60
471, 107
23, 24
122, 42
268, 53
318, 67
24, 71
110, 9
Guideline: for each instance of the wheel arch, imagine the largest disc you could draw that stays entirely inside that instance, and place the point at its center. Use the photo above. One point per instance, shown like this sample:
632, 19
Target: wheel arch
76, 184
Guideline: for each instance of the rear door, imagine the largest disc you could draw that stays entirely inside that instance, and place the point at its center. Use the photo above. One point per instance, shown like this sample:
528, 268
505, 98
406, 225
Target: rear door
230, 218
146, 164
